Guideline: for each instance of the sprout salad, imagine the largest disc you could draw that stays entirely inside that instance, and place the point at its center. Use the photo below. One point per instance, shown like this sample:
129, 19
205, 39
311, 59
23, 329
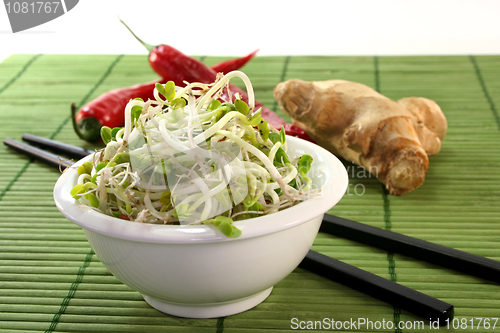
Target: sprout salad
194, 155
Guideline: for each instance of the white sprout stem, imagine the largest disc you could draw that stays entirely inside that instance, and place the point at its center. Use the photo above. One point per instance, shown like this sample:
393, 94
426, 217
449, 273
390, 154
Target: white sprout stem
128, 122
261, 156
222, 82
258, 167
149, 205
274, 150
274, 196
103, 194
83, 178
219, 125
288, 178
110, 150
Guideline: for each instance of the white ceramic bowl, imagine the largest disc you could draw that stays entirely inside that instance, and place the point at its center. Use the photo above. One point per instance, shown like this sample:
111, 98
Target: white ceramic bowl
195, 271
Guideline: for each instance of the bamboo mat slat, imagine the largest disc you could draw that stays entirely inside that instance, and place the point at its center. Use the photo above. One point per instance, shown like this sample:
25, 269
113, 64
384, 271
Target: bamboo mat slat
51, 281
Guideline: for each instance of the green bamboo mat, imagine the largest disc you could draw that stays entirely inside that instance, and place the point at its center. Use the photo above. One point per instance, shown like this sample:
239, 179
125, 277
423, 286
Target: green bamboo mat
51, 281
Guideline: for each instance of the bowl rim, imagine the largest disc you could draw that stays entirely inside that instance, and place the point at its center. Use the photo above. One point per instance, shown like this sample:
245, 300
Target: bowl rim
86, 217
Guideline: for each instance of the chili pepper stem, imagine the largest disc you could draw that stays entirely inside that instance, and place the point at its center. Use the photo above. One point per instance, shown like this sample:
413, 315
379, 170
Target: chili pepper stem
148, 46
90, 136
75, 125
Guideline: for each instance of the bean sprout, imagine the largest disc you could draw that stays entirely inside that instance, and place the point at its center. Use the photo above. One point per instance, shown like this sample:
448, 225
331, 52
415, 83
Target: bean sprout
191, 156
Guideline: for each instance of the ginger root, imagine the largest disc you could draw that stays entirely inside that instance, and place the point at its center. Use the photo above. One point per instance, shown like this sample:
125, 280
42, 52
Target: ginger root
390, 139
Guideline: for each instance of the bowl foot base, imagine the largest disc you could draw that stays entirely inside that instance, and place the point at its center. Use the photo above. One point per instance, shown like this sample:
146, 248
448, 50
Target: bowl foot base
208, 310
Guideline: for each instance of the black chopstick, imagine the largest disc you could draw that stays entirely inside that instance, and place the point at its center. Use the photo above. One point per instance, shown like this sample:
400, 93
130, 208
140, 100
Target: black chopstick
38, 154
56, 146
413, 247
378, 287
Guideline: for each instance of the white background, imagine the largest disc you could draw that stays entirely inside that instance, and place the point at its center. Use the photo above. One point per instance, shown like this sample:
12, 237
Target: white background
307, 27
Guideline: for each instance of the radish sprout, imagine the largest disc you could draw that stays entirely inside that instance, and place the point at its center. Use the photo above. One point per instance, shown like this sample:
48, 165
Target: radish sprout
194, 155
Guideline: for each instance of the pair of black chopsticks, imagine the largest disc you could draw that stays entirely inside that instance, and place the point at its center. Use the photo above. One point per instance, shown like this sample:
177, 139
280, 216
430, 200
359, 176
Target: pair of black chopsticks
44, 156
403, 297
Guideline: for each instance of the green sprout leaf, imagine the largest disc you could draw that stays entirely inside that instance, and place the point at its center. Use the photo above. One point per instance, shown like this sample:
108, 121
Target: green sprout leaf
215, 104
88, 186
169, 91
81, 170
181, 211
274, 137
114, 131
165, 198
100, 166
160, 88
304, 164
94, 202
282, 135
281, 158
77, 190
241, 106
106, 134
136, 112
263, 129
256, 118
178, 103
226, 228
225, 225
236, 232
121, 158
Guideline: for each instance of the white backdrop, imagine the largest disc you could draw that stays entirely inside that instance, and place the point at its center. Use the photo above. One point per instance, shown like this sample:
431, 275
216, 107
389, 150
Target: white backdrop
309, 27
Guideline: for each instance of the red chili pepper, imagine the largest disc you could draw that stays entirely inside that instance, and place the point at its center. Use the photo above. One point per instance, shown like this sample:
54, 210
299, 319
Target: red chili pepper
171, 63
298, 132
107, 109
233, 64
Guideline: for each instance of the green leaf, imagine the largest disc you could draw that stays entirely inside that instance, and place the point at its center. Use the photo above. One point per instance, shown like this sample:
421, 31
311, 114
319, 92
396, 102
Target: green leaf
106, 134
274, 137
304, 164
121, 158
241, 106
160, 88
236, 232
88, 167
215, 104
114, 131
223, 219
282, 135
89, 185
165, 198
128, 208
226, 228
178, 103
92, 199
181, 211
77, 190
169, 91
263, 129
100, 166
256, 118
136, 112
81, 170
281, 157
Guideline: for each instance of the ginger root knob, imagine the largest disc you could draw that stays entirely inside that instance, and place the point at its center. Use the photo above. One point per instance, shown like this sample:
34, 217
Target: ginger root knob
390, 139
